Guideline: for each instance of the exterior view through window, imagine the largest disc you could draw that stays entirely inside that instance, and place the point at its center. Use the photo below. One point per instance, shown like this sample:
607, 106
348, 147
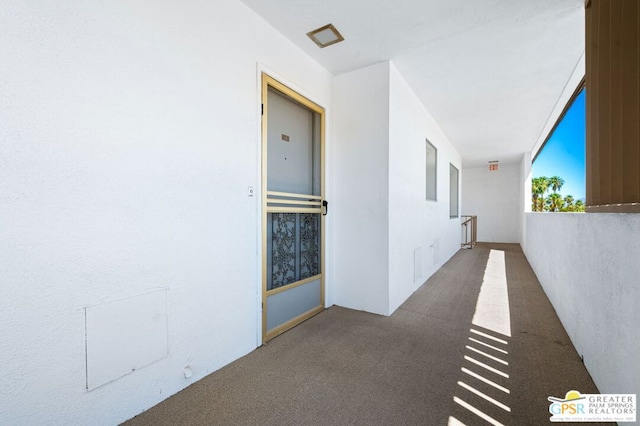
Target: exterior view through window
558, 172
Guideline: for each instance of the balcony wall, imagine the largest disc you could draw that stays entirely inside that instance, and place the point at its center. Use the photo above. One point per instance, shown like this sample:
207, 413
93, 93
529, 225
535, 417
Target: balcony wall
588, 266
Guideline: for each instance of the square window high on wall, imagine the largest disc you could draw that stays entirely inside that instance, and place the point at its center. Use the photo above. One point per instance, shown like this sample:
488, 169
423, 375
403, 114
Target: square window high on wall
453, 191
432, 164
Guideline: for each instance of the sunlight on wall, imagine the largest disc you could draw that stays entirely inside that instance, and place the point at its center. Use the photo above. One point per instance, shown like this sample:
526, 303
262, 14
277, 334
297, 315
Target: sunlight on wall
492, 308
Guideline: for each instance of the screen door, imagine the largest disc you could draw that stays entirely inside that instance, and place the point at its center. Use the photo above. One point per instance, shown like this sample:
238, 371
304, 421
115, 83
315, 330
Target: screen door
293, 208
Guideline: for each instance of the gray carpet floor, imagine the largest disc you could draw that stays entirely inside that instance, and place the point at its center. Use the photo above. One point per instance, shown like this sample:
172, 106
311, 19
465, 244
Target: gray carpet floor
346, 367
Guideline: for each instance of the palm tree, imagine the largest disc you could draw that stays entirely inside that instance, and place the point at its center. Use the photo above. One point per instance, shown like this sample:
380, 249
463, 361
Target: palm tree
556, 183
568, 204
555, 202
539, 186
535, 193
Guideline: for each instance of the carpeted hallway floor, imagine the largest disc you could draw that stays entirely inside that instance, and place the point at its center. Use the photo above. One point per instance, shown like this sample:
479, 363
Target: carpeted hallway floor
421, 366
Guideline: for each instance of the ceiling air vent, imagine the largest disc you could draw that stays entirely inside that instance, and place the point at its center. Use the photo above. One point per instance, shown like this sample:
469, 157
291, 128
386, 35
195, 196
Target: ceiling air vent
325, 36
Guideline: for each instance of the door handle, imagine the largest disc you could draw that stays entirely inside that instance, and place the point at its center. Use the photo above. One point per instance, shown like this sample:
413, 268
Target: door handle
325, 206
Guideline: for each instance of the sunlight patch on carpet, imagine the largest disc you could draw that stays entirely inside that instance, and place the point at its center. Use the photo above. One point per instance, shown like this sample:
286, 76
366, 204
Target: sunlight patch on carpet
492, 307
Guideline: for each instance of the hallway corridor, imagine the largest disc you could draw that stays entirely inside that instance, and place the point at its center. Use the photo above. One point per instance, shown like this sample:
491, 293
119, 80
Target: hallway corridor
435, 361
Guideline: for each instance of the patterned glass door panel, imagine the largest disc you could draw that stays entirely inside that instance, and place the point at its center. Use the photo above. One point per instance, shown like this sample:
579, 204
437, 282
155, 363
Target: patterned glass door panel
295, 248
309, 245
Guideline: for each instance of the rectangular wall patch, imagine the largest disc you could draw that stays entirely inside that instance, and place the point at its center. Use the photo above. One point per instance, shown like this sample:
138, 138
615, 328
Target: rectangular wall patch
125, 335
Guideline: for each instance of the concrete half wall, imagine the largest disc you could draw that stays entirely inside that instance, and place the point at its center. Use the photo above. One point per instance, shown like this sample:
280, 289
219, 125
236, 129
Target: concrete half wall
588, 266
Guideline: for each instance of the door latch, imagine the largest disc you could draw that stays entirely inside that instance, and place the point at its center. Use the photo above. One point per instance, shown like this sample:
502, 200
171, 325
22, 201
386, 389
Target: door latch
325, 206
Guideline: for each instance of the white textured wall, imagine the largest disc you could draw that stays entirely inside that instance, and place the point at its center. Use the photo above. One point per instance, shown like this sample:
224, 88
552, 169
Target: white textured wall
494, 196
129, 133
414, 222
588, 266
381, 214
361, 175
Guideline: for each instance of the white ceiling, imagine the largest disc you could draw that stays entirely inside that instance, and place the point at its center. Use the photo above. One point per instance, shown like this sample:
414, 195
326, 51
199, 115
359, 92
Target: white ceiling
489, 71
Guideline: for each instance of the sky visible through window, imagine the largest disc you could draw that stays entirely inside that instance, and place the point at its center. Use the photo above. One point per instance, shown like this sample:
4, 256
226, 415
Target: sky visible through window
564, 153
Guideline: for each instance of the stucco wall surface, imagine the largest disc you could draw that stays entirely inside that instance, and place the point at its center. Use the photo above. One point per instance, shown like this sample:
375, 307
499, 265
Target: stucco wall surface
588, 266
493, 196
388, 238
422, 236
360, 205
130, 133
